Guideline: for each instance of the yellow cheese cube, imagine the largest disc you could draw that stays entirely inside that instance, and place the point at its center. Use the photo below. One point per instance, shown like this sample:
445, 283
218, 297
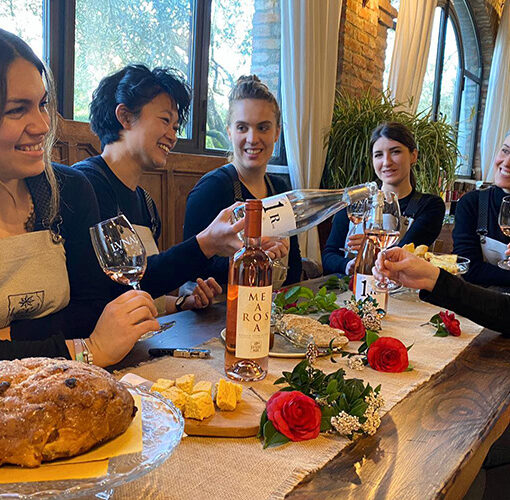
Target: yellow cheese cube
177, 396
239, 391
186, 382
162, 384
203, 386
199, 406
226, 398
409, 247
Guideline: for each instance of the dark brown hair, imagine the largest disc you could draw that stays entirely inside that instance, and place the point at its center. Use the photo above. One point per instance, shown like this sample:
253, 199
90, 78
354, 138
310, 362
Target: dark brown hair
396, 132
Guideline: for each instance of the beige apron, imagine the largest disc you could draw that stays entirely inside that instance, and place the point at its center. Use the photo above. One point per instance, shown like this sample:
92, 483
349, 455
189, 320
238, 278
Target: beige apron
33, 277
151, 248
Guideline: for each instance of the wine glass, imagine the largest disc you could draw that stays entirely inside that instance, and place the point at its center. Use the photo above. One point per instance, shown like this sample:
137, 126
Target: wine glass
121, 254
382, 226
356, 213
504, 225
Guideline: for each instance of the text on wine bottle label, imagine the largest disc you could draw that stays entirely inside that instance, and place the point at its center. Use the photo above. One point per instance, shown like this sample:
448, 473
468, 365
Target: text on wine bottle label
253, 321
277, 216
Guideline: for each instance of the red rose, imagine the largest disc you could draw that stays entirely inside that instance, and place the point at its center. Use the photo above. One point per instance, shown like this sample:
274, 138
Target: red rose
450, 323
387, 354
349, 322
294, 415
288, 306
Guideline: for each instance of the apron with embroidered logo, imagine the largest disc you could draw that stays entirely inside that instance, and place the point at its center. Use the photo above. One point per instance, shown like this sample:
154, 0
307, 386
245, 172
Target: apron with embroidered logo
33, 276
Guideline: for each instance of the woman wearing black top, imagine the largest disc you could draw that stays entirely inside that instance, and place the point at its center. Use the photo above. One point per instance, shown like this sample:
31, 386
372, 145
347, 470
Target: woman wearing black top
253, 127
51, 286
394, 152
476, 234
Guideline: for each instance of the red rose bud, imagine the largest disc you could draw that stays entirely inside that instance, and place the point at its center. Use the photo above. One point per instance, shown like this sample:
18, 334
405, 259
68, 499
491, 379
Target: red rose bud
387, 354
294, 415
349, 322
451, 323
288, 306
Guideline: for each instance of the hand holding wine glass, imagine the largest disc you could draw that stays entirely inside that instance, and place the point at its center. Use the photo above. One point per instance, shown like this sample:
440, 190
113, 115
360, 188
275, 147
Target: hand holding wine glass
382, 226
504, 225
121, 254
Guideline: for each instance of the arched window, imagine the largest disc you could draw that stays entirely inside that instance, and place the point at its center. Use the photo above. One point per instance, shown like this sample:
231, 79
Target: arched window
452, 82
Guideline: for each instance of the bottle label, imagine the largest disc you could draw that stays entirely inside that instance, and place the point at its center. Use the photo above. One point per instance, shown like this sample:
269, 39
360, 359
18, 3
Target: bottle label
365, 286
253, 321
277, 216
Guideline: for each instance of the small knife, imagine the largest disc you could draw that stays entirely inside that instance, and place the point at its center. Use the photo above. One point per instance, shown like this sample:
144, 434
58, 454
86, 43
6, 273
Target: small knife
180, 352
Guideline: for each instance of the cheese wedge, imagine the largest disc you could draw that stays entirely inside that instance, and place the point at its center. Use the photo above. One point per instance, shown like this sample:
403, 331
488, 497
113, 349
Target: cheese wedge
226, 395
199, 405
177, 396
162, 384
202, 386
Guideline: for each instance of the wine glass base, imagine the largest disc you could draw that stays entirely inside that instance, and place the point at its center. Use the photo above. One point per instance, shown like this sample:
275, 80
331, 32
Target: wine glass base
504, 264
388, 286
164, 327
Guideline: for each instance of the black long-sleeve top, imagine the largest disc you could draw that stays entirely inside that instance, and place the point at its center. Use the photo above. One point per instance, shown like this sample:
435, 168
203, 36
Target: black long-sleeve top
214, 192
466, 241
428, 220
89, 286
167, 270
488, 308
52, 347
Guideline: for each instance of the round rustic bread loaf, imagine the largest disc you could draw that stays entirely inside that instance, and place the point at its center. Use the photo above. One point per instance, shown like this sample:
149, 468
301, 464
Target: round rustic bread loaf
54, 408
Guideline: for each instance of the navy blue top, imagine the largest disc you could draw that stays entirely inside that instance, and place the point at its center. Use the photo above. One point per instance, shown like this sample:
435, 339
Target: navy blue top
214, 192
467, 243
169, 269
428, 220
89, 286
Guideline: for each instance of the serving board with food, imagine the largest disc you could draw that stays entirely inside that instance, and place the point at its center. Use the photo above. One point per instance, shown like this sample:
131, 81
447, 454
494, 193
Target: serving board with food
453, 263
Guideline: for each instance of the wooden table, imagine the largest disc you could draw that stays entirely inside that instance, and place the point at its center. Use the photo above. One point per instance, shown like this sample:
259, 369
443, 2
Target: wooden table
430, 445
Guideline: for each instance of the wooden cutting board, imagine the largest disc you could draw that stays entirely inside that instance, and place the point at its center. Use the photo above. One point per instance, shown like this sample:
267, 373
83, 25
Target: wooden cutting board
242, 422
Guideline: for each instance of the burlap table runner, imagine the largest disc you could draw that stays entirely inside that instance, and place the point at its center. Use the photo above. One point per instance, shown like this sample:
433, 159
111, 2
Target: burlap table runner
219, 468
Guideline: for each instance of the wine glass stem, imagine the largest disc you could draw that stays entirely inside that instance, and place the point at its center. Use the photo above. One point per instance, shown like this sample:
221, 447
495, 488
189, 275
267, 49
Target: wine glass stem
136, 286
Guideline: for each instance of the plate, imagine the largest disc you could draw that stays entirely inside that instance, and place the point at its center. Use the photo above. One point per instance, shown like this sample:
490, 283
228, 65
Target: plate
162, 426
282, 348
462, 264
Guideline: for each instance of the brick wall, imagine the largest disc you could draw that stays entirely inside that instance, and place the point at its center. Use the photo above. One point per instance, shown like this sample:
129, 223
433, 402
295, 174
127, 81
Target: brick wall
362, 44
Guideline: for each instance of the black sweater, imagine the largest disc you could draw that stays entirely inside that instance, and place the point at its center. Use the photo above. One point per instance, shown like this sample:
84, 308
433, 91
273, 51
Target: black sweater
89, 286
428, 220
467, 243
488, 308
169, 269
214, 192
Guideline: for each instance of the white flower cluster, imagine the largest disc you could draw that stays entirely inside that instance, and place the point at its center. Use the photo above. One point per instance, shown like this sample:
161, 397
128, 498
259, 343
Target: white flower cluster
372, 320
356, 363
345, 424
373, 419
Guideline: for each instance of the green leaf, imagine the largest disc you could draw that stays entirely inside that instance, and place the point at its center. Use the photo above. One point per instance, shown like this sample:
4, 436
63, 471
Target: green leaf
441, 332
279, 300
306, 292
272, 437
436, 320
263, 420
409, 347
291, 310
326, 413
324, 319
359, 408
292, 294
332, 386
322, 292
371, 337
409, 368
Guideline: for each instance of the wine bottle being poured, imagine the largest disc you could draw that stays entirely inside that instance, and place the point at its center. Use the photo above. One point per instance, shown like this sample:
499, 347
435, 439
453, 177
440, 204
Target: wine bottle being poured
298, 210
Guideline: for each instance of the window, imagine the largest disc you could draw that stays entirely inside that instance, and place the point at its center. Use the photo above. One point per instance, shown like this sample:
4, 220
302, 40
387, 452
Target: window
210, 42
25, 19
452, 82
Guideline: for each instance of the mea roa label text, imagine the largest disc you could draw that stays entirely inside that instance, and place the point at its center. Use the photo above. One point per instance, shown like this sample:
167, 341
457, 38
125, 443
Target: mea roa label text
253, 321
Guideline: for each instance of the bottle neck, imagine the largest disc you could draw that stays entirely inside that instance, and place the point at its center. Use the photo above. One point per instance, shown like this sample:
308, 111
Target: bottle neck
252, 241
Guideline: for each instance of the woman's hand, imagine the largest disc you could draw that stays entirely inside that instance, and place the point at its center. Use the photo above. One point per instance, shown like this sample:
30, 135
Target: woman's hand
349, 268
203, 294
276, 248
220, 237
413, 272
354, 242
123, 322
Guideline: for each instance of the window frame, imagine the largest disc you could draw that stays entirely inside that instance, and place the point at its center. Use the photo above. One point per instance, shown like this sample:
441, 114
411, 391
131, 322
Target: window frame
59, 19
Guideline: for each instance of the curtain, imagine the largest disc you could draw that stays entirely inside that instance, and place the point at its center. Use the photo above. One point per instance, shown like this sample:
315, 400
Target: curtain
309, 65
496, 120
411, 51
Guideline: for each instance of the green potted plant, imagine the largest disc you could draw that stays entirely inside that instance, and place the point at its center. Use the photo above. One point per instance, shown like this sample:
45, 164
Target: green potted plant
348, 160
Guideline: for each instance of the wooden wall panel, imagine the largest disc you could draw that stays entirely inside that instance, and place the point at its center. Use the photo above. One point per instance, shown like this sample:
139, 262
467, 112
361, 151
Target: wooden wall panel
169, 187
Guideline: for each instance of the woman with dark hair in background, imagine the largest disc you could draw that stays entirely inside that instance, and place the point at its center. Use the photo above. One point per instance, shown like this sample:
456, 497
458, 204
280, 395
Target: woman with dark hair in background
394, 152
51, 287
136, 114
476, 234
253, 126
